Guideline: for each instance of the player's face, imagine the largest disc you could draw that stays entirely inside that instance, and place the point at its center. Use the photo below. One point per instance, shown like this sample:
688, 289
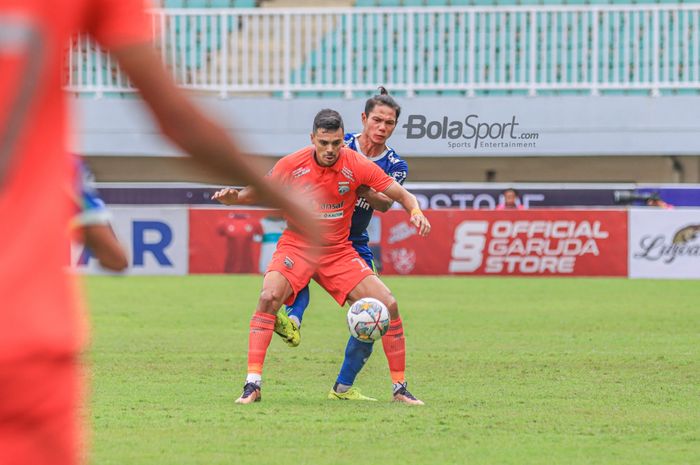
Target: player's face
328, 144
379, 124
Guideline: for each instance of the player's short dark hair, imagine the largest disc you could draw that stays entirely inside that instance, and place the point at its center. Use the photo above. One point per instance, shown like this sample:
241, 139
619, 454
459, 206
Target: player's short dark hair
511, 189
383, 98
328, 119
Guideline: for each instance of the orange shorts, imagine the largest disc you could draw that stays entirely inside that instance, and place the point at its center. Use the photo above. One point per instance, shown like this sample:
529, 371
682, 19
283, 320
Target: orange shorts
39, 412
338, 268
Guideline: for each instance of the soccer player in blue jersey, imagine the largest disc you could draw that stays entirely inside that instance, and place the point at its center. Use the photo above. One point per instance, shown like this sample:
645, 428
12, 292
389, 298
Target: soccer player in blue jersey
93, 222
378, 122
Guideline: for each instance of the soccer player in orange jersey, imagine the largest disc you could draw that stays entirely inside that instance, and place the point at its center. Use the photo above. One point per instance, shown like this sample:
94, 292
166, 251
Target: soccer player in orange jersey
330, 174
41, 330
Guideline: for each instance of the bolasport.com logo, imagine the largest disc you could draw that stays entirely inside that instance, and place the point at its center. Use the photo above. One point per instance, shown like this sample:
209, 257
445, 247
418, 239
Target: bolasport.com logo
472, 132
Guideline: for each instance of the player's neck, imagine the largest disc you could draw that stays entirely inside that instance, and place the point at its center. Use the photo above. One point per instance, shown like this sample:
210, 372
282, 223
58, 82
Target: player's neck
369, 149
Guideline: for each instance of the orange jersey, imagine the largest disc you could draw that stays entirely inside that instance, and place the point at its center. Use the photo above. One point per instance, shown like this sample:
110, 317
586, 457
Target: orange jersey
38, 314
333, 189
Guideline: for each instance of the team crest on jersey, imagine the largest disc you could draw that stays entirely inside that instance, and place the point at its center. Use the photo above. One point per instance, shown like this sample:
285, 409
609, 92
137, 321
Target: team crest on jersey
343, 187
288, 262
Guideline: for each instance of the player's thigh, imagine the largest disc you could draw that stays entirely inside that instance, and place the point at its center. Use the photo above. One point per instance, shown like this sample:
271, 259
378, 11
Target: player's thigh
340, 270
290, 265
39, 402
372, 286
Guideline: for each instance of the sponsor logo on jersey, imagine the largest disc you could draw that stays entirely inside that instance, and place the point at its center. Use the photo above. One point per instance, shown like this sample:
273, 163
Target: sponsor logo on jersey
362, 203
347, 173
399, 176
343, 187
332, 206
288, 262
299, 172
330, 215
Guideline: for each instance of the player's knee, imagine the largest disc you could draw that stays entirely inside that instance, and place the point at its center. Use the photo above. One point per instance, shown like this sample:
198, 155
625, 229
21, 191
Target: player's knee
392, 305
270, 300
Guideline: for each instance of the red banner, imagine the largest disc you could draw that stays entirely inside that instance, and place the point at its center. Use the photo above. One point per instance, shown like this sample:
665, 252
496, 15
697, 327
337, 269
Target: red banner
232, 241
519, 243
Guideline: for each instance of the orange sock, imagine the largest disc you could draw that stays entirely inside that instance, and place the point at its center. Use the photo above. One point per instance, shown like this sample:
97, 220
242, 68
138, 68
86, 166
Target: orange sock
261, 327
395, 349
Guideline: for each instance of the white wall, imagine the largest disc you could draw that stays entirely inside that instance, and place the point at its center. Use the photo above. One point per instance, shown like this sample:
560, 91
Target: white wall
574, 125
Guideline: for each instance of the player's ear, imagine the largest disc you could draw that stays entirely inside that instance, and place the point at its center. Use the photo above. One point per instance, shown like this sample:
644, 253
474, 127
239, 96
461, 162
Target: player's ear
311, 136
364, 117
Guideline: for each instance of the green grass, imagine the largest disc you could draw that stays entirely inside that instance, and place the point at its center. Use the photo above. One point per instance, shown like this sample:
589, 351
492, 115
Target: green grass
513, 371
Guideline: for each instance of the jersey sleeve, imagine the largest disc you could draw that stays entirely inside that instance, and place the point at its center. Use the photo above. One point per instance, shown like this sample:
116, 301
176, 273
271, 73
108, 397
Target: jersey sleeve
373, 176
399, 171
118, 23
93, 210
279, 172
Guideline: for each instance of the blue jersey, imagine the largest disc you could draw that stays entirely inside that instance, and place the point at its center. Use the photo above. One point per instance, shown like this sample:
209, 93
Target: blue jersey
92, 209
394, 166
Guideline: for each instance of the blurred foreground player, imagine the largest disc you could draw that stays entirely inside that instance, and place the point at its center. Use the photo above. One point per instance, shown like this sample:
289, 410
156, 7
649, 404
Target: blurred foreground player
331, 174
41, 330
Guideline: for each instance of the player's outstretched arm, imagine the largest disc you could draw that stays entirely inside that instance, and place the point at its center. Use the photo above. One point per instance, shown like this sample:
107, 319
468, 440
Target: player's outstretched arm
103, 243
232, 196
376, 200
206, 141
409, 202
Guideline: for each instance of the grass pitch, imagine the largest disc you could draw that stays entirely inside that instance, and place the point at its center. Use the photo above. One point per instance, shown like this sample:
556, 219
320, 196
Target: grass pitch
513, 371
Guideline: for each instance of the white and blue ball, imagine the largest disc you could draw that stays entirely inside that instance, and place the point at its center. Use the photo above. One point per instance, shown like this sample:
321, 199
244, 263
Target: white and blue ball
368, 319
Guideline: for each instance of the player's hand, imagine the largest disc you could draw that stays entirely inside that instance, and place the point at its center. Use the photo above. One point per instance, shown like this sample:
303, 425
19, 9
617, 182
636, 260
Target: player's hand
421, 223
227, 196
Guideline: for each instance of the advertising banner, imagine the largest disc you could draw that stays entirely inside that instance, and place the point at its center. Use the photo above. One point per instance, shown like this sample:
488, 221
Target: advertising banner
155, 239
664, 243
233, 241
517, 243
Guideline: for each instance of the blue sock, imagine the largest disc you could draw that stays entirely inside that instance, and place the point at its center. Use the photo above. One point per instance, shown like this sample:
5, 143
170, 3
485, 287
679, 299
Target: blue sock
298, 308
356, 354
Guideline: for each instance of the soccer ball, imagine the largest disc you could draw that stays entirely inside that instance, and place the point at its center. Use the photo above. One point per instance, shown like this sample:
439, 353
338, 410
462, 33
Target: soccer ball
368, 319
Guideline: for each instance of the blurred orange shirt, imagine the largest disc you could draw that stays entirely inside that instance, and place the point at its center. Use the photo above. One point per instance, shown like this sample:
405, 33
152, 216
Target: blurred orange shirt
38, 312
